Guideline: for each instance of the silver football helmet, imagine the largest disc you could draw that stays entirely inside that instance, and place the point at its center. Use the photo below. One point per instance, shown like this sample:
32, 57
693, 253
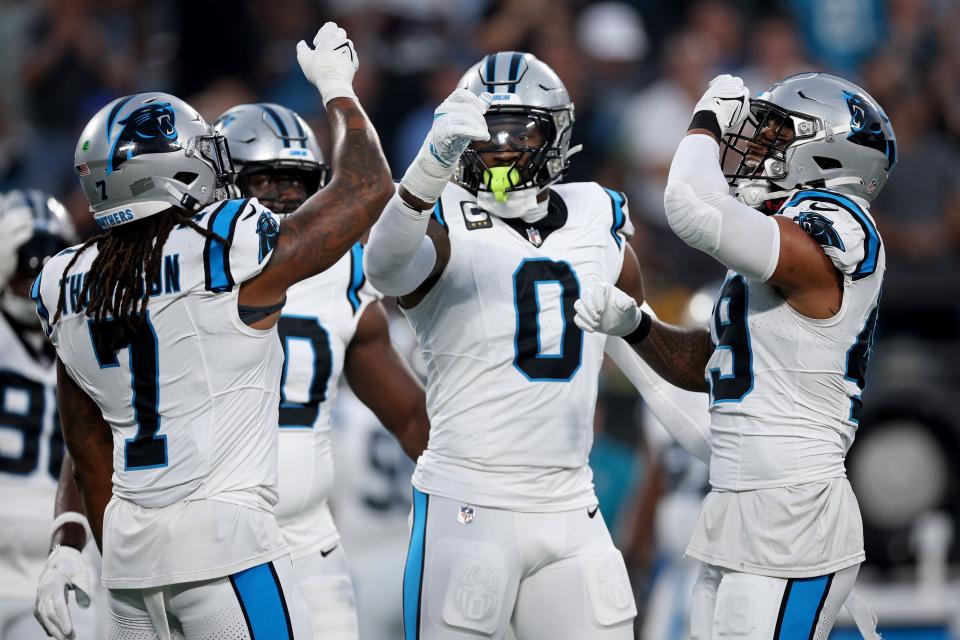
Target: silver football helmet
527, 94
37, 228
145, 153
268, 138
810, 130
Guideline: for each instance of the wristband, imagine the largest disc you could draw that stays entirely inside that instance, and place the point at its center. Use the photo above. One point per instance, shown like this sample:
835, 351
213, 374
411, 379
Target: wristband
639, 334
706, 120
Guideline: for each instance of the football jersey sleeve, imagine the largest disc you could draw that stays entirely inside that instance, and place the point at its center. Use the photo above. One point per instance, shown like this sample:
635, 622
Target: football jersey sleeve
621, 227
250, 230
360, 293
845, 231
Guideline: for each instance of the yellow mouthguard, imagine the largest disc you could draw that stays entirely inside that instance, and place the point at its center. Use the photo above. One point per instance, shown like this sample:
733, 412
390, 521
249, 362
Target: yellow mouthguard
499, 179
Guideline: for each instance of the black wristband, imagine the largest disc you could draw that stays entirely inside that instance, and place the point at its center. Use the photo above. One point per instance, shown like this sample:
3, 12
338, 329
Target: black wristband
706, 120
639, 334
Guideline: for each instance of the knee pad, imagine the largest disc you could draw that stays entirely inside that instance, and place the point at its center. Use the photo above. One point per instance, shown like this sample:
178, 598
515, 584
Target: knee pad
608, 587
475, 592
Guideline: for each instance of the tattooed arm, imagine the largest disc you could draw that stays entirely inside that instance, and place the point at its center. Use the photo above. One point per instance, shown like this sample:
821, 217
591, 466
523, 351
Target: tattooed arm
90, 443
324, 228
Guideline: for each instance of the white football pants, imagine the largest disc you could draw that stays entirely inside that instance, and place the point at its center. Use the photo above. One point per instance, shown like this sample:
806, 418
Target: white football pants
323, 579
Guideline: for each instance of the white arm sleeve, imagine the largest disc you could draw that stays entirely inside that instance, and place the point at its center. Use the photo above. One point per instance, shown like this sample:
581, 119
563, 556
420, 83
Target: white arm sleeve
681, 412
399, 256
703, 214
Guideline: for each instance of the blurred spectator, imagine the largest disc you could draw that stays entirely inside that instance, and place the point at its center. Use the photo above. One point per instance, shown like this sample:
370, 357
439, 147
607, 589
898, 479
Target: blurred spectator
840, 33
775, 53
722, 24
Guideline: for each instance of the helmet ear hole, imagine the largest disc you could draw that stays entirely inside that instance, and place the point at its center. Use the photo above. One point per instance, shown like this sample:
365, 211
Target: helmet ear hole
186, 177
827, 163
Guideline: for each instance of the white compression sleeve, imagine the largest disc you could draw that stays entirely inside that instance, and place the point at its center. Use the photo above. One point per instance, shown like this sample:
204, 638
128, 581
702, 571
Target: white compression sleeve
684, 419
703, 214
399, 256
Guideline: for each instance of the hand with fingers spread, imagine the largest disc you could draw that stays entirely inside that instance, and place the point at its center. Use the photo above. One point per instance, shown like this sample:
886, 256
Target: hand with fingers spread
603, 308
729, 99
457, 122
331, 63
65, 570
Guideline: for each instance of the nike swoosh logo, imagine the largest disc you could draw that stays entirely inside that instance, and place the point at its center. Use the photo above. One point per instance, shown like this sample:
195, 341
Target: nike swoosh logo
819, 206
593, 512
324, 554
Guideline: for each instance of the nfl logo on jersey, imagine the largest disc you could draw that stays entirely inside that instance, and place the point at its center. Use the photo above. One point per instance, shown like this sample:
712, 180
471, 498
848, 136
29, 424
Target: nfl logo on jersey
466, 515
534, 236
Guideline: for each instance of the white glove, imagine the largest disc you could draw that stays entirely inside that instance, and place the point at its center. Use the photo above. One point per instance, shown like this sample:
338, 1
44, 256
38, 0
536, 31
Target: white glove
729, 99
17, 225
64, 570
331, 63
456, 122
605, 309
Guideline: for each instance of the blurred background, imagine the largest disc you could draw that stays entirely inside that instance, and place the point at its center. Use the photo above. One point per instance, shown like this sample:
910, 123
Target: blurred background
634, 70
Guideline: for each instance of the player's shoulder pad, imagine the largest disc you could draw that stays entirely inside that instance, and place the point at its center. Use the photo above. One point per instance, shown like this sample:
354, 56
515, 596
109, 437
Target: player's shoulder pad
247, 233
842, 227
609, 207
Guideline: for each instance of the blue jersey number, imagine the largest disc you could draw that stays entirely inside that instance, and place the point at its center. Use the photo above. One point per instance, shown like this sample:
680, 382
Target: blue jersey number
858, 357
146, 450
527, 347
733, 335
309, 330
22, 406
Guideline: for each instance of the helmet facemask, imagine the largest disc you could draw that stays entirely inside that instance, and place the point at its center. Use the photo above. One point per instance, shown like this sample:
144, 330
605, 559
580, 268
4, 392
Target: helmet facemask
281, 186
523, 152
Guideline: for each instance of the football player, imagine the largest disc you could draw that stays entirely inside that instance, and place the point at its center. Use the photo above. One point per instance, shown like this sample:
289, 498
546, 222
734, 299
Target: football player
786, 355
506, 530
169, 362
332, 324
35, 228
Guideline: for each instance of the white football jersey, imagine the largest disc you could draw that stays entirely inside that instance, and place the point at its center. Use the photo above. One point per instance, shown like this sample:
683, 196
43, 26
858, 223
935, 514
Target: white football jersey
785, 389
316, 327
31, 450
785, 404
511, 380
192, 401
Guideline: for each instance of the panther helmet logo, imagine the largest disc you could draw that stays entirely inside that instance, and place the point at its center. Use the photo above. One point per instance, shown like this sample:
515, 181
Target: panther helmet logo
149, 129
820, 228
866, 127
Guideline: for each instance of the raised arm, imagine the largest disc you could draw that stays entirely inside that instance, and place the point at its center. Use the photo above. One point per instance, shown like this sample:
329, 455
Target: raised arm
324, 228
405, 254
382, 380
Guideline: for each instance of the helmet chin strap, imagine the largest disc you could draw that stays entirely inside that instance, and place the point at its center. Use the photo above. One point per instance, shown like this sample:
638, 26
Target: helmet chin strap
522, 204
754, 193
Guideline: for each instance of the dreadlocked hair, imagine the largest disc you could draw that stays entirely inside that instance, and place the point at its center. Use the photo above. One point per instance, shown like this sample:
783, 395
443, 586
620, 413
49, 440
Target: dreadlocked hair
129, 259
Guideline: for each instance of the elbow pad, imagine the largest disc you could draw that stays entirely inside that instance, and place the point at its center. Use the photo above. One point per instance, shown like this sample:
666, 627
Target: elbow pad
399, 256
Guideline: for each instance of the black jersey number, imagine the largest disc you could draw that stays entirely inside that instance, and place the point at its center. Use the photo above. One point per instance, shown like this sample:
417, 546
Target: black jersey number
22, 407
146, 449
527, 345
733, 335
309, 330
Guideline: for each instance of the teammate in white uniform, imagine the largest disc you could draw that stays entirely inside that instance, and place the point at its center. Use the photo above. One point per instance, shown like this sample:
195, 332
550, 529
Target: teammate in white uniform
36, 227
169, 363
331, 324
786, 354
506, 529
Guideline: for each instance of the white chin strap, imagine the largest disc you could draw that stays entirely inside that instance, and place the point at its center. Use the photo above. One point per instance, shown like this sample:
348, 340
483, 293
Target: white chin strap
521, 203
754, 193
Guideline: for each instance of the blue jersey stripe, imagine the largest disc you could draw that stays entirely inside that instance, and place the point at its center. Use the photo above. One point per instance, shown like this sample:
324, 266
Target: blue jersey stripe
413, 572
871, 251
357, 278
279, 122
438, 214
223, 222
618, 217
261, 598
41, 308
802, 602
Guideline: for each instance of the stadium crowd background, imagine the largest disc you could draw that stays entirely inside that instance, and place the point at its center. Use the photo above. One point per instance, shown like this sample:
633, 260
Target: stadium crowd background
634, 70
